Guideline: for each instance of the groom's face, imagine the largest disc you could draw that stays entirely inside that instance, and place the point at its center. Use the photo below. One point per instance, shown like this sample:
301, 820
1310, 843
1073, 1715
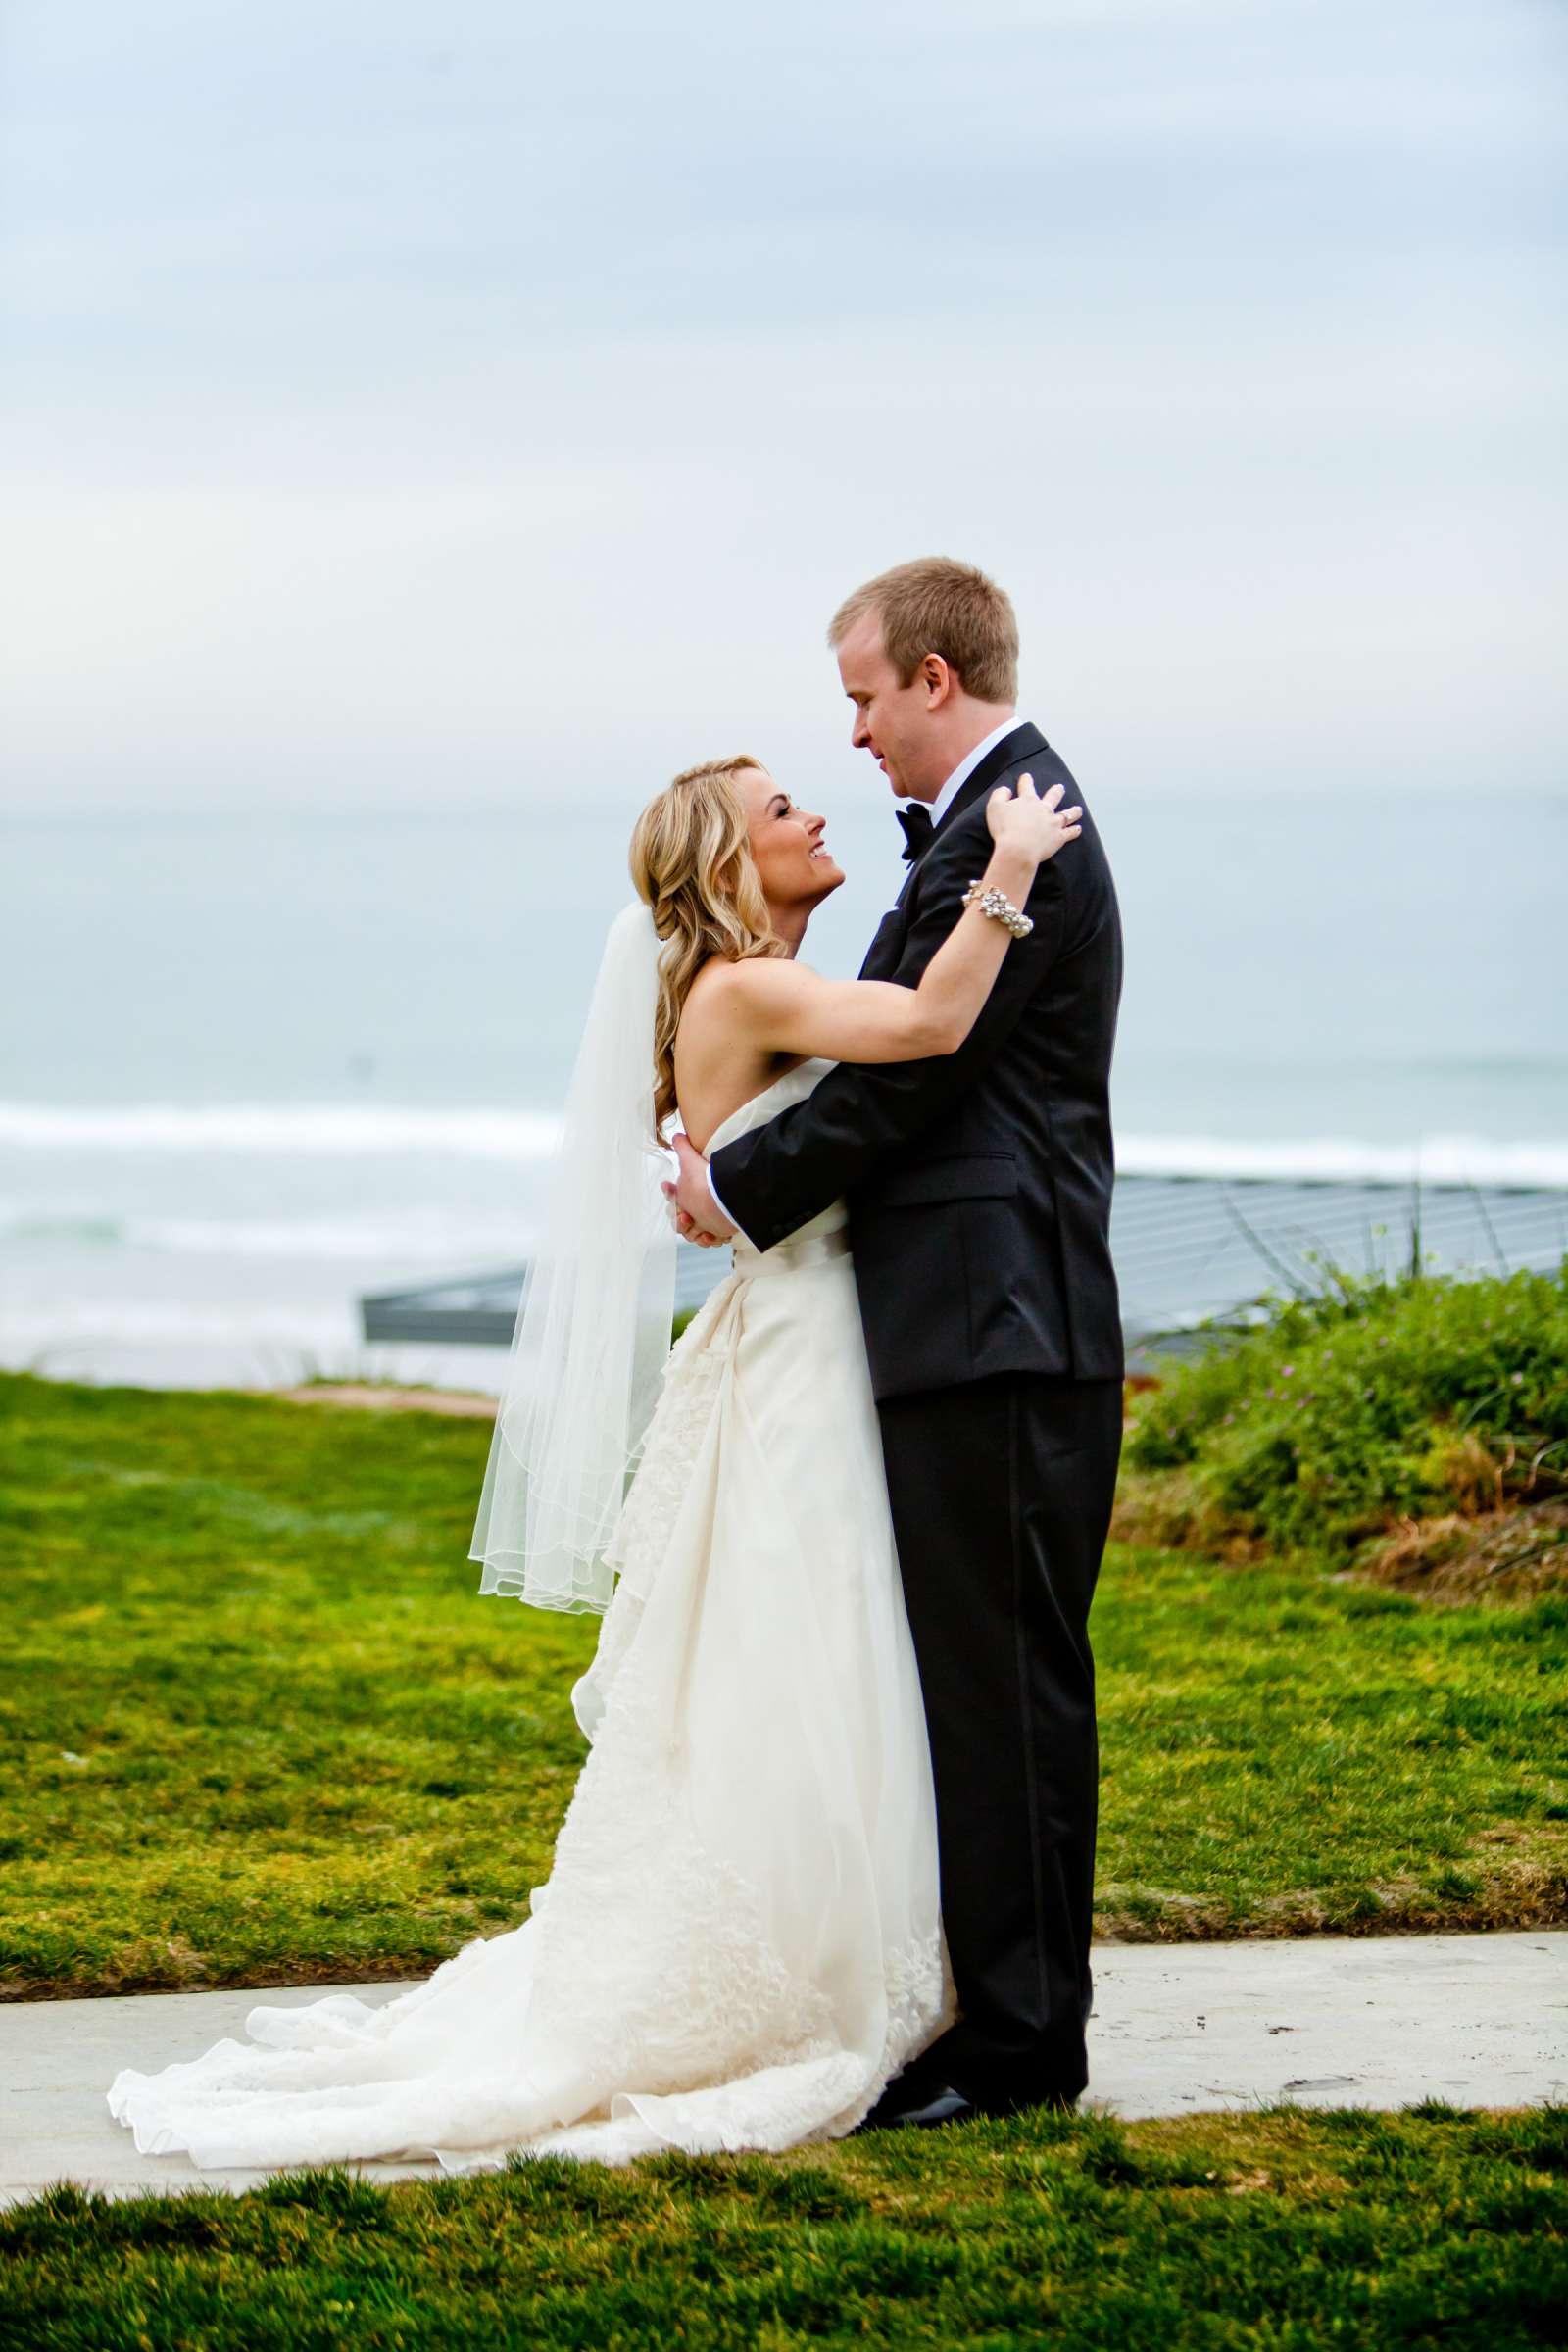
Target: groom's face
892, 721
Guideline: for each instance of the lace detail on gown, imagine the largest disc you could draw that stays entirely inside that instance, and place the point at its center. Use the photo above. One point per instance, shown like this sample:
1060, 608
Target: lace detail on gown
643, 1534
739, 1943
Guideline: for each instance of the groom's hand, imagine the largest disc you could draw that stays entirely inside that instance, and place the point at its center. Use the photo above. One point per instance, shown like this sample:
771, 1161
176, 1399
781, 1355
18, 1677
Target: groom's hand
697, 1214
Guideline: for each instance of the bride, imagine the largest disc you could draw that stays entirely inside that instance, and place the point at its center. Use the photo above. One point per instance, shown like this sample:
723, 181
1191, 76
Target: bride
739, 1943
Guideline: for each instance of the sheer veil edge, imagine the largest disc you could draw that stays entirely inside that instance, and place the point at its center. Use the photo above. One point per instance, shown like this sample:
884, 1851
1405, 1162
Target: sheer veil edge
592, 1337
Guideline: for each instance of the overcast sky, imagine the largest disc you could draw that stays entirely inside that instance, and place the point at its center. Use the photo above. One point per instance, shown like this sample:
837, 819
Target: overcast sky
475, 403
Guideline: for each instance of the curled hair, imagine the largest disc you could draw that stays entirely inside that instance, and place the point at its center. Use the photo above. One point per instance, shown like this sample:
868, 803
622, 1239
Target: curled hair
935, 606
691, 864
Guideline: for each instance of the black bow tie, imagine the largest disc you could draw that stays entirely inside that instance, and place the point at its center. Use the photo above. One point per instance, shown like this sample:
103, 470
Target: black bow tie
917, 829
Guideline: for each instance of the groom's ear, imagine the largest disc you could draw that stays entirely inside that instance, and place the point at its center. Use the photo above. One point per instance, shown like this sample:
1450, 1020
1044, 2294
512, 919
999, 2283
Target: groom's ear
938, 680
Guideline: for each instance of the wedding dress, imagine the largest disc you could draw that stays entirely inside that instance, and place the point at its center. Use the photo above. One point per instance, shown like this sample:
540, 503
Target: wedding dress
739, 1943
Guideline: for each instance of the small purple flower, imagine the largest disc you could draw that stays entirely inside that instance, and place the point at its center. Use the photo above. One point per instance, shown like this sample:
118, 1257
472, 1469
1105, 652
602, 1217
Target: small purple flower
1287, 1371
1518, 1379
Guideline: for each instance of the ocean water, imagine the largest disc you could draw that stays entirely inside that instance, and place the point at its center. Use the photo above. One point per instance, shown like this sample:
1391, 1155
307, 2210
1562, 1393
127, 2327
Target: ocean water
252, 1066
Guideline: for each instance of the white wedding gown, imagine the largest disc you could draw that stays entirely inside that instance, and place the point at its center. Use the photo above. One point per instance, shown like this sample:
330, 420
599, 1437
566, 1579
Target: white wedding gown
739, 1942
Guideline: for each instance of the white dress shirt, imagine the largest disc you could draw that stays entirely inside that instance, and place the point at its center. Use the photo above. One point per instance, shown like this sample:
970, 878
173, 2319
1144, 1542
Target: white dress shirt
967, 765
939, 808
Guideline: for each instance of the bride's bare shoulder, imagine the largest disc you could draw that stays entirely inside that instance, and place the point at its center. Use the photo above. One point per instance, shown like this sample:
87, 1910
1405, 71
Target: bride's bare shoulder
753, 984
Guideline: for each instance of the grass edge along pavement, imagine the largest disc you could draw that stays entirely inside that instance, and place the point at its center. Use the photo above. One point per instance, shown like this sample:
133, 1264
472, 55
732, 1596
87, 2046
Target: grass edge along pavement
1284, 2229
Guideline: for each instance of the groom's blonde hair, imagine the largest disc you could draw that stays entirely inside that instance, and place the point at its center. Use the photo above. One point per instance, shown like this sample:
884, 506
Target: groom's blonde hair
692, 865
935, 606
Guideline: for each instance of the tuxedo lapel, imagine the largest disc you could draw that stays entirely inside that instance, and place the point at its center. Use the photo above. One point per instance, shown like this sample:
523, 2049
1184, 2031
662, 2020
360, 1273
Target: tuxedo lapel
1024, 743
882, 956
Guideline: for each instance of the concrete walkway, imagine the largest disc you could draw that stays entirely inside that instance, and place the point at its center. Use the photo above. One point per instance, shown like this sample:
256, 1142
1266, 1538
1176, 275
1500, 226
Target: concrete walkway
1481, 2021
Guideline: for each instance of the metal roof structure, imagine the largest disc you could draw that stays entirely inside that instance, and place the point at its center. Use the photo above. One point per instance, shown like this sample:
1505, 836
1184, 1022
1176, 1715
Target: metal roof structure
1187, 1248
1190, 1248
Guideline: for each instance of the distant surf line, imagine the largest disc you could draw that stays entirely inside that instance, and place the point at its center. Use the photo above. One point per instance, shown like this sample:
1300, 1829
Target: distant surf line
433, 1239
349, 1131
341, 1131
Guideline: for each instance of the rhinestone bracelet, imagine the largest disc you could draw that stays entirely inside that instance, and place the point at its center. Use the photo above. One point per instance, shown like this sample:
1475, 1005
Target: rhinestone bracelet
1001, 910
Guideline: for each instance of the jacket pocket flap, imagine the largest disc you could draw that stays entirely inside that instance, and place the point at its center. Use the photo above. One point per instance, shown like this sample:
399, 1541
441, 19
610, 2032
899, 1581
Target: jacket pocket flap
985, 1176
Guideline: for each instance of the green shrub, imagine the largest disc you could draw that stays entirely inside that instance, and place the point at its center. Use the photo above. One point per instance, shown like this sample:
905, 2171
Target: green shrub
1341, 1415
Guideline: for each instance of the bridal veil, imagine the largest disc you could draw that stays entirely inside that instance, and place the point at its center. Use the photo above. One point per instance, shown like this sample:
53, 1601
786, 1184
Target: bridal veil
592, 1331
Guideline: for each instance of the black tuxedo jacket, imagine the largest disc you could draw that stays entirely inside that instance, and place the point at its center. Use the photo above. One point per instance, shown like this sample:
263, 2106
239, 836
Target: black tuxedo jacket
979, 1182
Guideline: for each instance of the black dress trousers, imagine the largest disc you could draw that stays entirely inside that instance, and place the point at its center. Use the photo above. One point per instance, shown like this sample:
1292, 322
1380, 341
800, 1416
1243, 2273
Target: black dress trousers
1001, 1493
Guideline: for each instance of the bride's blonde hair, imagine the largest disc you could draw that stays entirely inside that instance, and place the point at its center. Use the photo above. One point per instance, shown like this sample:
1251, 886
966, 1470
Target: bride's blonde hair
691, 865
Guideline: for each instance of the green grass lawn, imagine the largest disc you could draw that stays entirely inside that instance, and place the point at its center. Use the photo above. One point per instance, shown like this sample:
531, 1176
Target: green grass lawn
1272, 2232
256, 1725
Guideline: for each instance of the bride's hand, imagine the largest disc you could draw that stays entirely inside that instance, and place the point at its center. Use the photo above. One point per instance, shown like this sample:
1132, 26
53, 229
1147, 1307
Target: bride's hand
1035, 827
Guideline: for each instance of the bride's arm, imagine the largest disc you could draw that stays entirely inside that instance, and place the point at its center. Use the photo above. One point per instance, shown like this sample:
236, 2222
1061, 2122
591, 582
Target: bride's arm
789, 1010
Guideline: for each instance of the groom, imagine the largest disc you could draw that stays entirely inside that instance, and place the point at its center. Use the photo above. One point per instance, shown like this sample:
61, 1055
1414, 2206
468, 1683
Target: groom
979, 1191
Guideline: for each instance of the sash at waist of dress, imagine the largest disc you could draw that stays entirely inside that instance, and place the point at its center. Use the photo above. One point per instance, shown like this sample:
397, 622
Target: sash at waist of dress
792, 1256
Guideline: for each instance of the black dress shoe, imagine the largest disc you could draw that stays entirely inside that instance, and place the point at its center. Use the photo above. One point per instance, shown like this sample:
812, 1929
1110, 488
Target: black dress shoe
920, 2107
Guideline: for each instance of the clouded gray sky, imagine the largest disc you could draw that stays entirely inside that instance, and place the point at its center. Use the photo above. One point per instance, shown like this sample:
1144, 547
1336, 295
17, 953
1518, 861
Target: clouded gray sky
474, 403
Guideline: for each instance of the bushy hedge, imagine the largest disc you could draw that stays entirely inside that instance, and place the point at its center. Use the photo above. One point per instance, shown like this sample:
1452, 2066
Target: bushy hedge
1341, 1415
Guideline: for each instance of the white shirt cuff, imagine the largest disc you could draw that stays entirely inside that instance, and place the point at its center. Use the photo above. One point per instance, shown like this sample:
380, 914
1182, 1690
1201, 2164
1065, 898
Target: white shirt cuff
713, 1190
